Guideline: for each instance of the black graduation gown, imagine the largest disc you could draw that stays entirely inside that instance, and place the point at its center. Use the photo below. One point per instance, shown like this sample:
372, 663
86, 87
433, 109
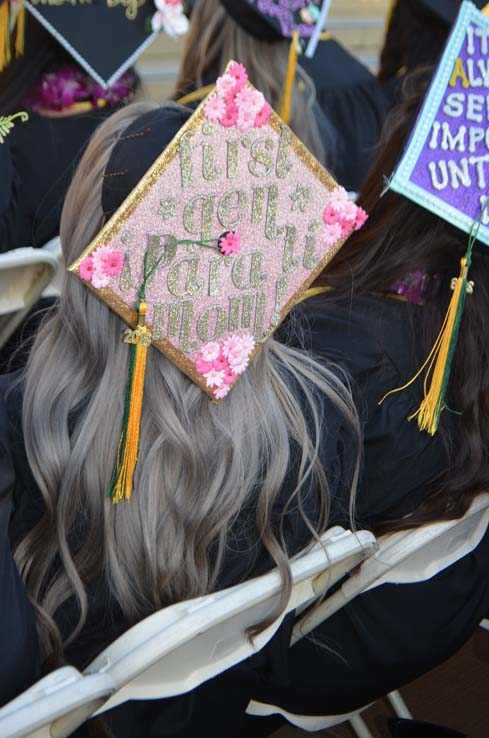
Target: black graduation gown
355, 103
384, 638
37, 162
18, 640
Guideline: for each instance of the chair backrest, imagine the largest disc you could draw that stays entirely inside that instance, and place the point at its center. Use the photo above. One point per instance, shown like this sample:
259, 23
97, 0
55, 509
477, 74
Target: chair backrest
407, 556
24, 274
55, 706
178, 648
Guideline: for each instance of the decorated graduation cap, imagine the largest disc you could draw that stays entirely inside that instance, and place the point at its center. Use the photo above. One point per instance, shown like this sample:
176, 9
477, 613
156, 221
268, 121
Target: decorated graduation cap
445, 169
206, 252
104, 36
273, 20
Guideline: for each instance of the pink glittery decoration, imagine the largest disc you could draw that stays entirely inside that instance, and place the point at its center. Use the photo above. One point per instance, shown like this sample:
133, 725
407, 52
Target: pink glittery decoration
255, 192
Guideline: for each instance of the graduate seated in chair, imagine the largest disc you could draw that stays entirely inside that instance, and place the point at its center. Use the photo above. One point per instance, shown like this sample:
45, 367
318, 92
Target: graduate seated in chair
166, 444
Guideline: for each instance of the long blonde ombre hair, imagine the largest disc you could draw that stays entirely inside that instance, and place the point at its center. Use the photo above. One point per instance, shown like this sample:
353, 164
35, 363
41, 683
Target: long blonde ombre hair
214, 38
200, 464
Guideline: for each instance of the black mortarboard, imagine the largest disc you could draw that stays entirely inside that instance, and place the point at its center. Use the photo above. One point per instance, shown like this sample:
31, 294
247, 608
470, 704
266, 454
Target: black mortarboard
273, 20
447, 10
106, 36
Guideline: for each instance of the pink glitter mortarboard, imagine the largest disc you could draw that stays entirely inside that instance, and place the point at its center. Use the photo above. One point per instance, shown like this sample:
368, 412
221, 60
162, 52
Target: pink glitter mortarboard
232, 223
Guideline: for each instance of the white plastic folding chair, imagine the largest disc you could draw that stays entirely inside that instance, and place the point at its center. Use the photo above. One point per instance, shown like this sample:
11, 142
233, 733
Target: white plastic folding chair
402, 558
55, 706
184, 645
24, 274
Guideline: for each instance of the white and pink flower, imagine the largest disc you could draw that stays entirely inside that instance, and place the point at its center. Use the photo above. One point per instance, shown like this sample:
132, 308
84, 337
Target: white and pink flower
170, 17
221, 363
215, 107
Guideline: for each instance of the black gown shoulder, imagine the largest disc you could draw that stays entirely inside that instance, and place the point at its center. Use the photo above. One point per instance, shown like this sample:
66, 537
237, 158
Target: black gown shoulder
37, 161
18, 640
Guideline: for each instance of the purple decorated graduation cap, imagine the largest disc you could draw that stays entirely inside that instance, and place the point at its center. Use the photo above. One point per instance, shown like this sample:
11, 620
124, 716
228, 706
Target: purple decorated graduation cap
445, 167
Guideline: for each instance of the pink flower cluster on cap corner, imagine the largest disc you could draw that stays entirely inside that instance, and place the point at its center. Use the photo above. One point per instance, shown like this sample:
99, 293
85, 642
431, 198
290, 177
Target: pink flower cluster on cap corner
222, 362
341, 217
235, 104
103, 264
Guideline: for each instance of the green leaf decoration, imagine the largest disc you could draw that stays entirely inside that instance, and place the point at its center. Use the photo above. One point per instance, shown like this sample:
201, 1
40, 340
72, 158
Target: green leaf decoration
7, 123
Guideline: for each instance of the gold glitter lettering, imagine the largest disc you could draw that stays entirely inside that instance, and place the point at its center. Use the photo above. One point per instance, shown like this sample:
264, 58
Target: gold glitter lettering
272, 232
232, 158
232, 207
240, 306
158, 245
214, 282
246, 274
209, 330
261, 164
159, 311
188, 268
283, 166
210, 171
290, 262
125, 281
203, 205
281, 286
131, 6
185, 155
180, 324
257, 206
311, 259
261, 303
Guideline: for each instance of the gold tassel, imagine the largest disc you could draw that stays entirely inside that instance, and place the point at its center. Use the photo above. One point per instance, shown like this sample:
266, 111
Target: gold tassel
438, 364
121, 484
20, 34
485, 9
5, 54
390, 13
286, 101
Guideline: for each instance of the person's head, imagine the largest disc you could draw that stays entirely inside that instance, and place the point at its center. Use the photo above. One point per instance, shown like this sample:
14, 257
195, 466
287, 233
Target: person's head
41, 53
201, 464
214, 38
399, 238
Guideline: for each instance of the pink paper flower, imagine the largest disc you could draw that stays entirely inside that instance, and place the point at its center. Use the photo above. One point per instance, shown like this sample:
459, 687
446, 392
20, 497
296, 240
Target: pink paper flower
100, 280
230, 116
98, 257
203, 367
347, 226
215, 107
225, 85
112, 263
250, 101
239, 73
332, 234
87, 269
230, 243
221, 363
330, 215
338, 198
210, 351
222, 391
360, 219
230, 377
248, 342
263, 116
246, 120
214, 378
229, 344
239, 365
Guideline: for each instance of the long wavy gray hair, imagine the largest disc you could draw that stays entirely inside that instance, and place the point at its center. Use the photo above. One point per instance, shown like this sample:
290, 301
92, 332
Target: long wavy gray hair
199, 464
214, 38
